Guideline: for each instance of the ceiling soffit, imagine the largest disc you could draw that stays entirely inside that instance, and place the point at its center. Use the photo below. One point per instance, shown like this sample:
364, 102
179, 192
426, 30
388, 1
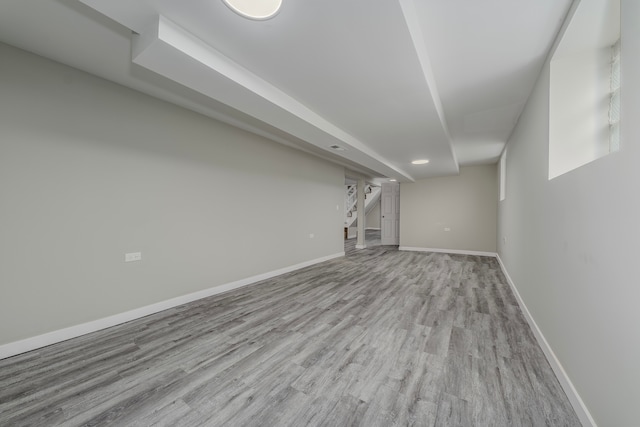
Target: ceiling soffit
381, 139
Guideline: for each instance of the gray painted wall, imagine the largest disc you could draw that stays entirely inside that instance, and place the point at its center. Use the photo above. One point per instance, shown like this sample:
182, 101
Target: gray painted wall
572, 246
90, 170
466, 204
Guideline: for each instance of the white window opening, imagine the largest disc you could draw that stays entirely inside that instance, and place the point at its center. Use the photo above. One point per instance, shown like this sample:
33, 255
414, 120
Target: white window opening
584, 88
614, 100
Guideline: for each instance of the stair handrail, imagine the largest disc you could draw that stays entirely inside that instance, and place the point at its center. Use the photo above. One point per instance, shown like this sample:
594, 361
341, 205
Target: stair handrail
351, 198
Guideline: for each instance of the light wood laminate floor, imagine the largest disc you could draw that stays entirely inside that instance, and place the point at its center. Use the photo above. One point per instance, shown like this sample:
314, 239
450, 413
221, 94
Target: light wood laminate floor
377, 338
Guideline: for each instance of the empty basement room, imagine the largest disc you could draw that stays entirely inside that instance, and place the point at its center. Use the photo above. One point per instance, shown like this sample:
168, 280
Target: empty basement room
173, 211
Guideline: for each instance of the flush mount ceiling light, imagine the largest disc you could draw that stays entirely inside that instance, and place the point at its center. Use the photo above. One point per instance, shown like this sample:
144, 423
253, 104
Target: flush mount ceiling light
392, 180
420, 162
254, 9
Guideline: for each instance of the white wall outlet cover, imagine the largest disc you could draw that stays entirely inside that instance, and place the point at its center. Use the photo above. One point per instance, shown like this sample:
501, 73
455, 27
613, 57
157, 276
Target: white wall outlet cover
447, 229
311, 236
133, 256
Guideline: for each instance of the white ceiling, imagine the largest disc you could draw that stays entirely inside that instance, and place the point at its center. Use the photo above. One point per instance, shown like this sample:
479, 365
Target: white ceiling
390, 81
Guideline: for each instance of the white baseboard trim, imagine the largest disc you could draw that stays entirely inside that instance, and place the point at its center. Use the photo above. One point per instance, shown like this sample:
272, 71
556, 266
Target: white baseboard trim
448, 251
373, 228
361, 246
352, 236
576, 401
39, 341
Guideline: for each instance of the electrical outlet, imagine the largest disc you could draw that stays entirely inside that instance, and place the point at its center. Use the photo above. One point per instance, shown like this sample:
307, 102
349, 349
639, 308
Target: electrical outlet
133, 256
311, 236
447, 229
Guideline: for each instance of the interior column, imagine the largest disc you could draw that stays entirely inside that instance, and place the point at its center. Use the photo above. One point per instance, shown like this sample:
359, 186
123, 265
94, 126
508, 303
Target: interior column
360, 242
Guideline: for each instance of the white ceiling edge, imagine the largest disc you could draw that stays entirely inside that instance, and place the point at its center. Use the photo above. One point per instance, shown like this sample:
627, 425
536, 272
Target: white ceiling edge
415, 30
171, 51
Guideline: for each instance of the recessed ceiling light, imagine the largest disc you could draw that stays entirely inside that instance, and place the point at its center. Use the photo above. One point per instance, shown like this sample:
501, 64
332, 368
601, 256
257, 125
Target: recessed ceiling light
420, 162
254, 9
393, 180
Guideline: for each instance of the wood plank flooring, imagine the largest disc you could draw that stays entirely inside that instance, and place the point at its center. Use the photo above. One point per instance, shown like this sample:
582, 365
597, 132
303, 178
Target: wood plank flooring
378, 338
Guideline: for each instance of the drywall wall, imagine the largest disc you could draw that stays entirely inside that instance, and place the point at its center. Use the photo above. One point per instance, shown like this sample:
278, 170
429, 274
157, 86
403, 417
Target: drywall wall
572, 244
373, 217
465, 204
90, 170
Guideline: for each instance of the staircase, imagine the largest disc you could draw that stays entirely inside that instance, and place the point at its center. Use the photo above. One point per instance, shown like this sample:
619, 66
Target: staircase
371, 196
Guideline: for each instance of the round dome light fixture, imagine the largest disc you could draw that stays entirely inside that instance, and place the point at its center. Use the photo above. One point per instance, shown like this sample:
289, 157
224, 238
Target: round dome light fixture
420, 162
254, 9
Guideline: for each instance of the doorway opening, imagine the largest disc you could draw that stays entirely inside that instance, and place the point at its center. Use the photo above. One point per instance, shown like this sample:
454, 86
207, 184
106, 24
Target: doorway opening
372, 218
